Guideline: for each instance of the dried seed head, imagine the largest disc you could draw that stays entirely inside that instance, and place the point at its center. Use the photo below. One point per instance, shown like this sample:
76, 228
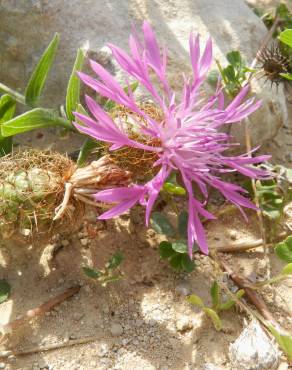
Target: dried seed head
138, 161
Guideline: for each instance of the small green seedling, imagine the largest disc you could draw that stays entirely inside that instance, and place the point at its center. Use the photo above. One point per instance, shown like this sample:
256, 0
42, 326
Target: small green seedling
177, 255
106, 275
234, 74
217, 304
176, 251
284, 274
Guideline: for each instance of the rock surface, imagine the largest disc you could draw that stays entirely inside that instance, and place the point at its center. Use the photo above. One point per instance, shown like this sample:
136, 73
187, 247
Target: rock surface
253, 350
27, 26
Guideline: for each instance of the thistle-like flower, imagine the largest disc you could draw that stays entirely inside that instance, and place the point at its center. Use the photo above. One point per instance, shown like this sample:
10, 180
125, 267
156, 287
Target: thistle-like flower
187, 138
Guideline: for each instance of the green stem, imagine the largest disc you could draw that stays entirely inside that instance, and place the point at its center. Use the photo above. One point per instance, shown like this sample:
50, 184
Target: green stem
65, 123
14, 94
221, 71
269, 281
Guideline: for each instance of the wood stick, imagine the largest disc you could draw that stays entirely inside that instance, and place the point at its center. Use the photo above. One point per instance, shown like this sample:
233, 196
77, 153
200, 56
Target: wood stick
252, 295
49, 347
40, 310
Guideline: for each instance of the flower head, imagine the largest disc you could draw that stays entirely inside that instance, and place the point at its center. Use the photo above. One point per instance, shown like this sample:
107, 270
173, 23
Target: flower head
187, 137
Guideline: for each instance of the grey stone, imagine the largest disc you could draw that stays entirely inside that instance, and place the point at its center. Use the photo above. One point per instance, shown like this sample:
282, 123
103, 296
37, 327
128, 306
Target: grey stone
253, 350
27, 26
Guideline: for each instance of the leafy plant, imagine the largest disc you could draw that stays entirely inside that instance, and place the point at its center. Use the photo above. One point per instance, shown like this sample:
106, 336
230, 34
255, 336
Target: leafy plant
4, 290
234, 74
177, 255
217, 304
106, 275
284, 250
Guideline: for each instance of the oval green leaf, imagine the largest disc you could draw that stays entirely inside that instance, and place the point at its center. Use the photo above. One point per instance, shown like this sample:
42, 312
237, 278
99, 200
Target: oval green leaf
286, 37
91, 273
284, 250
161, 224
187, 264
165, 250
214, 317
195, 300
180, 246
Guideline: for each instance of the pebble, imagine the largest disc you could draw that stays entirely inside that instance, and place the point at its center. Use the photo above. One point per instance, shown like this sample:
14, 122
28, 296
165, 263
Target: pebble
65, 242
184, 324
116, 329
183, 288
84, 241
2, 365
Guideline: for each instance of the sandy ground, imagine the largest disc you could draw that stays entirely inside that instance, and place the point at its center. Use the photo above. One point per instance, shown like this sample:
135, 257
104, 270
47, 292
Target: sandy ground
142, 321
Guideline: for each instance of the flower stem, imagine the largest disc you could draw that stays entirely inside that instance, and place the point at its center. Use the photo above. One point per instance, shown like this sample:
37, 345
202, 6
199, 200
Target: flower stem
14, 94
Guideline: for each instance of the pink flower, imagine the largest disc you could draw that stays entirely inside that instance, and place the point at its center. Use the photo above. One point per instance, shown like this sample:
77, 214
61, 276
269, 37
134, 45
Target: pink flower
190, 141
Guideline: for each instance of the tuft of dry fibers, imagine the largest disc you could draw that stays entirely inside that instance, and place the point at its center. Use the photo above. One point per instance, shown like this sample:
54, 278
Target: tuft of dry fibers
41, 191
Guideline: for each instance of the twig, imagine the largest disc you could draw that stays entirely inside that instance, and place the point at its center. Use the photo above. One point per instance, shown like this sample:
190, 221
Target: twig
252, 295
244, 246
264, 44
40, 310
49, 347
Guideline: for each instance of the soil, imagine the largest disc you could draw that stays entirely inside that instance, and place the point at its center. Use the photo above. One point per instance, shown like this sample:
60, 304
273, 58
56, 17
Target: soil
143, 320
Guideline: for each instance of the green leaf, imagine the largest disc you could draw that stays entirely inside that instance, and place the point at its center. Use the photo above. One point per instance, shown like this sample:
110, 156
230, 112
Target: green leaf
286, 37
38, 78
226, 305
230, 303
86, 149
176, 261
287, 270
115, 261
165, 250
183, 224
161, 224
73, 89
91, 273
195, 300
4, 290
287, 76
180, 246
214, 317
284, 250
284, 341
229, 72
187, 264
215, 294
234, 58
7, 109
31, 120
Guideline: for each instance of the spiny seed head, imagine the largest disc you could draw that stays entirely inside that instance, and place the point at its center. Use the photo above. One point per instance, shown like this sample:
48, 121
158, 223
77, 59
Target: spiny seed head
273, 63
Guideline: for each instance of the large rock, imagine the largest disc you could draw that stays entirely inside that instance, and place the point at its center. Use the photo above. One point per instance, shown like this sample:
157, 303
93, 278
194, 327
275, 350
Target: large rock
27, 26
